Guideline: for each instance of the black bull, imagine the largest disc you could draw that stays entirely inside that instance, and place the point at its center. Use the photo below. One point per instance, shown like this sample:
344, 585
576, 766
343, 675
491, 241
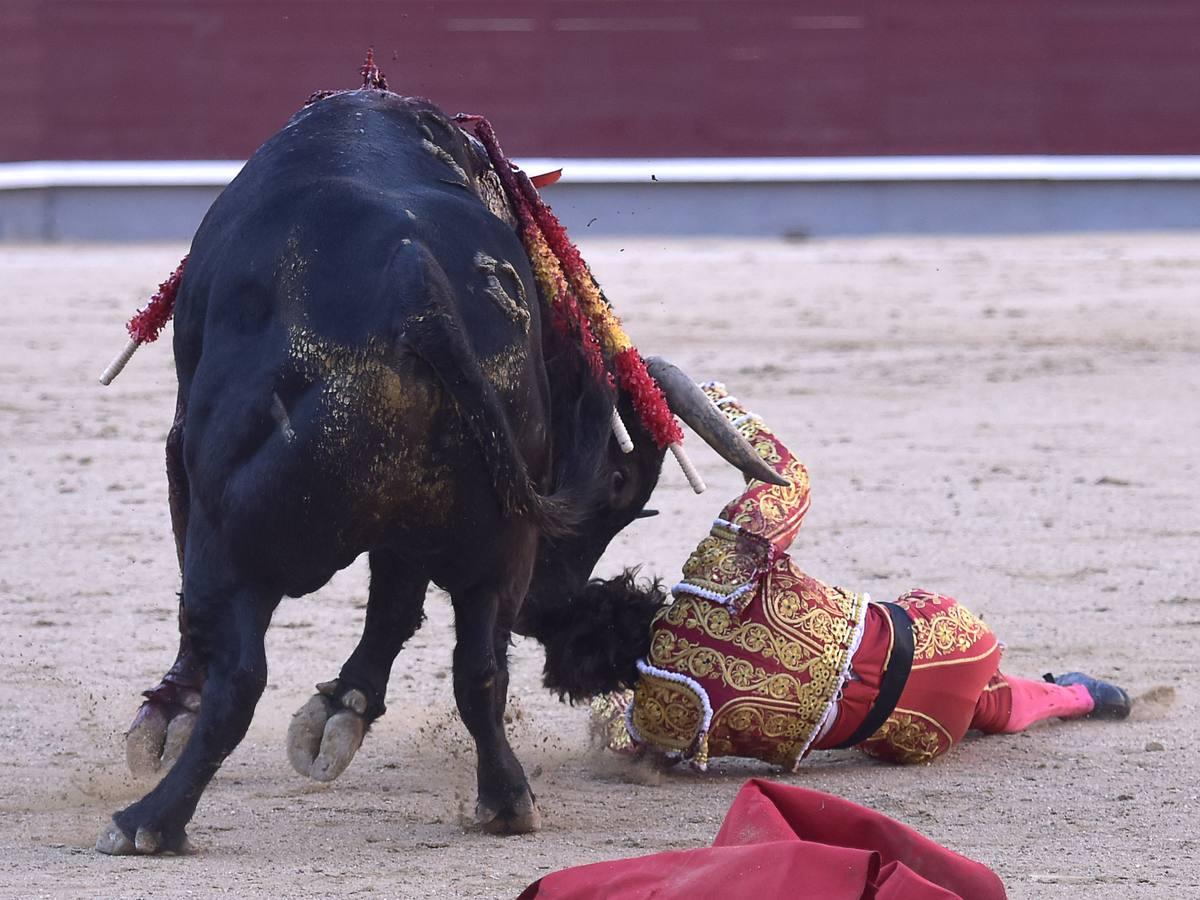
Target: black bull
364, 366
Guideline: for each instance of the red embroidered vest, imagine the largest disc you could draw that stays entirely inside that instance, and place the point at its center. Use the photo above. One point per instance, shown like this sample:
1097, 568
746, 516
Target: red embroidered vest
748, 659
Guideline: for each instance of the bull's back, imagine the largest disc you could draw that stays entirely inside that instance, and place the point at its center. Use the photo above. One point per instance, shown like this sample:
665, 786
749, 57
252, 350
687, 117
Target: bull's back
312, 418
318, 213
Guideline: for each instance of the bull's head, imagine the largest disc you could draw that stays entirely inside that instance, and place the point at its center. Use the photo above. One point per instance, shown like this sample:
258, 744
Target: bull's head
604, 480
565, 609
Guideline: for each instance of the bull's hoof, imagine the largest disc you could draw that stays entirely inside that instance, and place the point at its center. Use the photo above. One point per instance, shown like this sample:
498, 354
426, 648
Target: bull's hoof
523, 818
159, 732
114, 842
326, 732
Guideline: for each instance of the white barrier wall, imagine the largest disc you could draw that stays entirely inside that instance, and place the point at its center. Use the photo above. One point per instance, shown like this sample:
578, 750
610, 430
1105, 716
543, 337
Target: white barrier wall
125, 201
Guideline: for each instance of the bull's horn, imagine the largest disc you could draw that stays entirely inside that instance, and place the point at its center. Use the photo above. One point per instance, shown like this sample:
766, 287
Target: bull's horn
691, 404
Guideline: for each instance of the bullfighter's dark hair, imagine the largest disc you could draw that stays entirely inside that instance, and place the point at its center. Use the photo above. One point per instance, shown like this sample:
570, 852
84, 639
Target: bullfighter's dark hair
594, 639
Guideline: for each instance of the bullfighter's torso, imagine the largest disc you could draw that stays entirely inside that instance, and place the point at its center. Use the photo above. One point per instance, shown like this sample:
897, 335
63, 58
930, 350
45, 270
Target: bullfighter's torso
748, 659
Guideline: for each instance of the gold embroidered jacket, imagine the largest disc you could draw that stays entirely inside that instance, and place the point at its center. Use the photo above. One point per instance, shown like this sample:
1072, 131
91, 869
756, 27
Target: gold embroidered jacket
749, 657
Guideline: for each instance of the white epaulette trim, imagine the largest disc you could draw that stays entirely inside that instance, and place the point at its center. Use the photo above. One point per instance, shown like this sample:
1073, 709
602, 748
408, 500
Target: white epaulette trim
646, 669
726, 600
707, 594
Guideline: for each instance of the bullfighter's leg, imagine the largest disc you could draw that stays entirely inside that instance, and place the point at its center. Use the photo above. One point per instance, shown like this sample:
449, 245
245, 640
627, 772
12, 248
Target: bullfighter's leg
955, 656
227, 620
168, 714
483, 621
1009, 705
327, 731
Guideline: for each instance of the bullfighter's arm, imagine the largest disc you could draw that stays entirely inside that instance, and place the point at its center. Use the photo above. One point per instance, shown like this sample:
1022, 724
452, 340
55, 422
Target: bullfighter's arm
767, 510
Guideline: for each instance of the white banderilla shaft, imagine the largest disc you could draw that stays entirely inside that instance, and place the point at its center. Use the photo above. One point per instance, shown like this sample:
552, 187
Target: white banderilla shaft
118, 363
689, 470
621, 432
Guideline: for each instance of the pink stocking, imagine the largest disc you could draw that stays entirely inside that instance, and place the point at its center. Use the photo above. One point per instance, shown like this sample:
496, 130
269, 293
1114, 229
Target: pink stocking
1031, 701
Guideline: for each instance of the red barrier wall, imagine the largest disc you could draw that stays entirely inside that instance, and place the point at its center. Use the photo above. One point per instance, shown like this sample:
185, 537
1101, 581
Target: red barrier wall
179, 79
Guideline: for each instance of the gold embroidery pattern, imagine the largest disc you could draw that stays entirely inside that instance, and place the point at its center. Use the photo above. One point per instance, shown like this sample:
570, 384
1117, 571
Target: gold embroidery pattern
767, 510
718, 563
908, 739
770, 670
666, 713
767, 731
606, 724
754, 637
954, 629
701, 662
771, 661
797, 604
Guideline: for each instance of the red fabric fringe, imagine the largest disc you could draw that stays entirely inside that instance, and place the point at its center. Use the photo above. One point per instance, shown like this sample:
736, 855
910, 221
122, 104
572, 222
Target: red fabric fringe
556, 236
539, 224
568, 318
647, 396
148, 322
648, 399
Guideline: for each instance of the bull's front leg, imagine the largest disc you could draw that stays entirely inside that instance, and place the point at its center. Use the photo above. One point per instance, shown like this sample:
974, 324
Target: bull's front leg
483, 624
328, 730
167, 715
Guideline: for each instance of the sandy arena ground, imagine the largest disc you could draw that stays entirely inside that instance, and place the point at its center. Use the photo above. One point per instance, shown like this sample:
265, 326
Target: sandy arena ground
1012, 421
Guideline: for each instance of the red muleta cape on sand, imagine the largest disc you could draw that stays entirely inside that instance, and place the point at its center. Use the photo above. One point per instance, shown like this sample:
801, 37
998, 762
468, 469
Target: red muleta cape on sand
779, 841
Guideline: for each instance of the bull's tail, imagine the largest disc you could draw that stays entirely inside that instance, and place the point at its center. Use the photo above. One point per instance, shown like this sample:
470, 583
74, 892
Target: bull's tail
436, 336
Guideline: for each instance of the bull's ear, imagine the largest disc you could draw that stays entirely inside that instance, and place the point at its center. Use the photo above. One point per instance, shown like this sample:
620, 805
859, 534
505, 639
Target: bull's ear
647, 514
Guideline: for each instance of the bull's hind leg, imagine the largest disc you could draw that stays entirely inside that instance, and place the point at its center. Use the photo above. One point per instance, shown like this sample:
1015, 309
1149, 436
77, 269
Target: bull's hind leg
327, 731
483, 622
227, 620
167, 715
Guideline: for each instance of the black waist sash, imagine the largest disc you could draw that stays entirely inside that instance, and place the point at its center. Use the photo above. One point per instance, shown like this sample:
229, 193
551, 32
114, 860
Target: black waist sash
895, 676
